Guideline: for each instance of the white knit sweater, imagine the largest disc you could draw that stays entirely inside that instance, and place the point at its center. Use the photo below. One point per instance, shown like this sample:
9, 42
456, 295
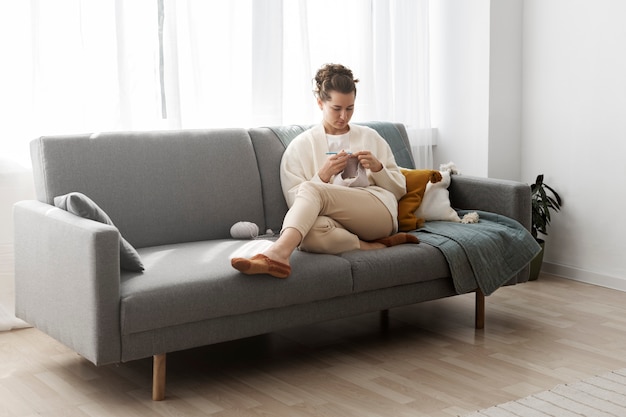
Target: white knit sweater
306, 154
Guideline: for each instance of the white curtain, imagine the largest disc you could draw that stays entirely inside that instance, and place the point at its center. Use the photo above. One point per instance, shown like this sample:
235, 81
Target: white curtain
76, 66
82, 65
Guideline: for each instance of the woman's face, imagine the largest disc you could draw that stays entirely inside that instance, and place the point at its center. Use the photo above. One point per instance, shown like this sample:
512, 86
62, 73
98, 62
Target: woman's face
337, 112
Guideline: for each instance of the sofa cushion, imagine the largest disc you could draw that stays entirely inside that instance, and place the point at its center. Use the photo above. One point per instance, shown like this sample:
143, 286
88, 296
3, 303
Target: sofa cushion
161, 187
397, 265
416, 181
436, 202
269, 150
190, 282
81, 205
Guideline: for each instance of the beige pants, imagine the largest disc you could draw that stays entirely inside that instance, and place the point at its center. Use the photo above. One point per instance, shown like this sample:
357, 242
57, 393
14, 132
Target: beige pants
332, 218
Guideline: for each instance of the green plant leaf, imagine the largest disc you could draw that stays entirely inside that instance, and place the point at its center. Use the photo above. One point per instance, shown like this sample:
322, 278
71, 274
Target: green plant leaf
543, 200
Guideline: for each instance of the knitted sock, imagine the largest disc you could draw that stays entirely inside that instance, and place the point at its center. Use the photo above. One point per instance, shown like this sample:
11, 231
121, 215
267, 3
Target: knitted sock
398, 239
261, 264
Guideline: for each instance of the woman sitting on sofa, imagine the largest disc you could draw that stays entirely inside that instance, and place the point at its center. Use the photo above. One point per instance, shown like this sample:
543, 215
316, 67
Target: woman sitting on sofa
330, 210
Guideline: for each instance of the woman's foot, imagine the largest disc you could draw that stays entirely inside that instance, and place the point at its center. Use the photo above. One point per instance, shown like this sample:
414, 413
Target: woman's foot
398, 239
261, 264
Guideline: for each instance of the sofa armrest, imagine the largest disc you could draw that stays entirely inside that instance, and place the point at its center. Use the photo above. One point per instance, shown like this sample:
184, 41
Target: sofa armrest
67, 279
509, 198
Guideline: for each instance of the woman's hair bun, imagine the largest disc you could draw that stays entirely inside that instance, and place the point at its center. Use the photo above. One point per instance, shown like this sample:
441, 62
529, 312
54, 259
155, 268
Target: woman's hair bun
334, 77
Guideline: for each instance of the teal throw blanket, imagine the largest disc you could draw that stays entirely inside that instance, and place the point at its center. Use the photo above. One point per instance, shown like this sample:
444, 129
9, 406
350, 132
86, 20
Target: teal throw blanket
481, 255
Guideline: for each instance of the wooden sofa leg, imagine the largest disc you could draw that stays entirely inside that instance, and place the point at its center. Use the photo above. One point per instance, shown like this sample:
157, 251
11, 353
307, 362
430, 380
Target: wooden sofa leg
384, 320
384, 316
480, 309
158, 377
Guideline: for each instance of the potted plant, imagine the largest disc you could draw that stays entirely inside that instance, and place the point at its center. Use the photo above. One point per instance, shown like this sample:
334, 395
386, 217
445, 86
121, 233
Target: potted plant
543, 199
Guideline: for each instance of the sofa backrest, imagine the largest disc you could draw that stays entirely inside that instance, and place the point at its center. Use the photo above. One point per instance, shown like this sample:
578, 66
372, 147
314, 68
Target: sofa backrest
163, 187
158, 187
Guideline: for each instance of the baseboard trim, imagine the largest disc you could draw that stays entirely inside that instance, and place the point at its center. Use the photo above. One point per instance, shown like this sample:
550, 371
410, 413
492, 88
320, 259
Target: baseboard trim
582, 275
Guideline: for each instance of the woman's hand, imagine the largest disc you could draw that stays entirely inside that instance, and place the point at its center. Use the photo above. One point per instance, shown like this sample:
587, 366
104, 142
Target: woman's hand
369, 161
335, 163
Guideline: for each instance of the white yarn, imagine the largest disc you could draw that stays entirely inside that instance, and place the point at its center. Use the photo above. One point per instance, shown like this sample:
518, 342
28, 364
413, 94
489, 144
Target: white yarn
470, 218
244, 230
450, 167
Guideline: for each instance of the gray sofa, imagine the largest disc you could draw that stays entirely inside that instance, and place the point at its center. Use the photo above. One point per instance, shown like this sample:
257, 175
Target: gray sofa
174, 196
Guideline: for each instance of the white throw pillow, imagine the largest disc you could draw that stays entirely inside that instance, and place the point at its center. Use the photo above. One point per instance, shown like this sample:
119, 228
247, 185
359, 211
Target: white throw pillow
436, 202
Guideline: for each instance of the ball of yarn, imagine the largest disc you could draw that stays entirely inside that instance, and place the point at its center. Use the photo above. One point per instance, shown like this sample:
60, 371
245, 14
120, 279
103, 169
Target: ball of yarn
244, 230
470, 218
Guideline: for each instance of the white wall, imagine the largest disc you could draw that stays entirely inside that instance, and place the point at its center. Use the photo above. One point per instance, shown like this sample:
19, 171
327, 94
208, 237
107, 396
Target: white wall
477, 85
574, 130
460, 83
505, 89
525, 87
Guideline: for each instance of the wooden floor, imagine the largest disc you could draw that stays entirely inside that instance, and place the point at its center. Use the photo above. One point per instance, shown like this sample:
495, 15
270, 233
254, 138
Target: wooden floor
429, 361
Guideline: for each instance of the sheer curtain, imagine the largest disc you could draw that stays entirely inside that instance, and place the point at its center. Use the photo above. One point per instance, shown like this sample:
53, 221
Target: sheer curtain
76, 66
250, 63
84, 66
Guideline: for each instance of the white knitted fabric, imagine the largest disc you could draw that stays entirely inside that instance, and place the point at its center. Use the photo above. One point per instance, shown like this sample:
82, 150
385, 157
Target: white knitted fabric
244, 230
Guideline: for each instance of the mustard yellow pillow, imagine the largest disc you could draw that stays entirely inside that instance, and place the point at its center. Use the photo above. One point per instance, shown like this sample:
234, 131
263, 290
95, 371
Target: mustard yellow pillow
416, 181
